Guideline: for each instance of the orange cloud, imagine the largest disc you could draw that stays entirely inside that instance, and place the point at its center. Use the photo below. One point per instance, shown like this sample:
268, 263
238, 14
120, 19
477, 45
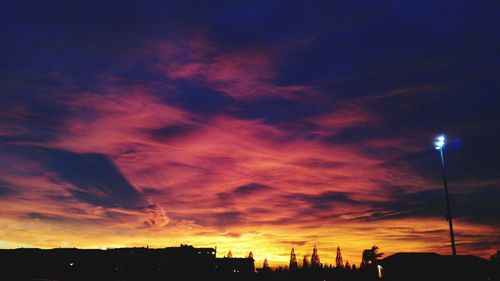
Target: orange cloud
217, 179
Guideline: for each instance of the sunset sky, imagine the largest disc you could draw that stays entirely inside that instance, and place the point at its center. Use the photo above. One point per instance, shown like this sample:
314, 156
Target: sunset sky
252, 127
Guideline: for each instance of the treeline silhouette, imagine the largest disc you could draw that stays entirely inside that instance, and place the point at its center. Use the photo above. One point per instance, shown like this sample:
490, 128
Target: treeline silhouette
191, 263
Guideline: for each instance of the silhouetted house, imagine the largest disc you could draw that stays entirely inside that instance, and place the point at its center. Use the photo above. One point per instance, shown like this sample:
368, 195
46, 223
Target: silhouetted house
495, 264
430, 266
495, 258
235, 265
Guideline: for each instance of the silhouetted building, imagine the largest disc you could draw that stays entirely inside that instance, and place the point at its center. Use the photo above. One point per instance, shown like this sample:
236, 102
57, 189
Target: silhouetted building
93, 264
495, 258
431, 266
190, 263
495, 264
235, 265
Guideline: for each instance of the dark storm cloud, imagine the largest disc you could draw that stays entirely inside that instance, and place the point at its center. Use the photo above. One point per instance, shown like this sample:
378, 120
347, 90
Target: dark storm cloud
319, 163
479, 205
5, 191
428, 79
30, 115
251, 188
226, 219
239, 194
189, 98
293, 243
94, 179
170, 132
279, 110
324, 200
71, 216
481, 244
220, 220
47, 217
224, 199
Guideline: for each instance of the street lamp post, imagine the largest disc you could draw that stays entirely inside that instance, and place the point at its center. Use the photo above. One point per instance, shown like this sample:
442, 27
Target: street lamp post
439, 144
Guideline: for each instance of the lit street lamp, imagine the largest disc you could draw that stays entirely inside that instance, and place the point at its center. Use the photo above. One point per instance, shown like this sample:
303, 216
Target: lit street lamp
379, 268
439, 144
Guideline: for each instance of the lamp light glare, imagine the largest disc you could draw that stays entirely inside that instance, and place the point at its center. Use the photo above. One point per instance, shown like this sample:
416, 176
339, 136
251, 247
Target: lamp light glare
379, 267
439, 142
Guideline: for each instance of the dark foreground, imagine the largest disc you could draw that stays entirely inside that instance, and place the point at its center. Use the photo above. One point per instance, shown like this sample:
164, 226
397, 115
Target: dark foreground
189, 263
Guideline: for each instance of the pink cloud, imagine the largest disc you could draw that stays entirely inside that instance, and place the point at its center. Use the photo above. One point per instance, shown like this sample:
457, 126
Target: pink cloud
188, 165
239, 74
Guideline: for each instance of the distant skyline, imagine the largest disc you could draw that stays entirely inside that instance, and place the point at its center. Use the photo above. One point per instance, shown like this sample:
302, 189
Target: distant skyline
256, 126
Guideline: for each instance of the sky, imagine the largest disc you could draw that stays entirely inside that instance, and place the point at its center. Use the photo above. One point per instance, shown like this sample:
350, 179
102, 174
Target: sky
250, 126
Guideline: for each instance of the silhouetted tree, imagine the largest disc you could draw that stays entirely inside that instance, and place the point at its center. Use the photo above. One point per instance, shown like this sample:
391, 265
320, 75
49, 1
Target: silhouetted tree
305, 262
370, 256
250, 255
339, 263
293, 260
229, 254
315, 262
265, 265
347, 265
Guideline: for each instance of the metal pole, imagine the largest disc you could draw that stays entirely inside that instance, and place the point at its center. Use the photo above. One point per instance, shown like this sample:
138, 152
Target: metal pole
448, 209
